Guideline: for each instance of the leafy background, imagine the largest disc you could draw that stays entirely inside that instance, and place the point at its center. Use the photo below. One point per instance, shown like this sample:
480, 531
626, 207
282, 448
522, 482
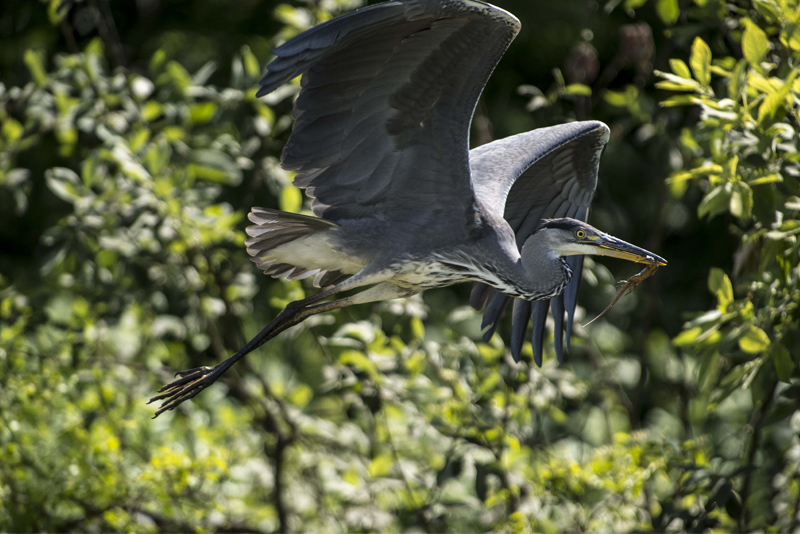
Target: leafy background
131, 148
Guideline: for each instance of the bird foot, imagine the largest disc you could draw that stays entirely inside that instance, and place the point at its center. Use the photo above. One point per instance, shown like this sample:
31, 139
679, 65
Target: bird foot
190, 383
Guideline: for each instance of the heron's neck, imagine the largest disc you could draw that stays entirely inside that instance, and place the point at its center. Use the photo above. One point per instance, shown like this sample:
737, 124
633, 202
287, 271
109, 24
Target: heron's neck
544, 273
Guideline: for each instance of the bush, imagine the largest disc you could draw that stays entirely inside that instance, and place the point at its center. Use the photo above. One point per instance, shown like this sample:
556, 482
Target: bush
124, 191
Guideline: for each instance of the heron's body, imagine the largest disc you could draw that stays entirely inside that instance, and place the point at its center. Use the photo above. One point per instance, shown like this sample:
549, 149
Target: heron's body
418, 259
381, 144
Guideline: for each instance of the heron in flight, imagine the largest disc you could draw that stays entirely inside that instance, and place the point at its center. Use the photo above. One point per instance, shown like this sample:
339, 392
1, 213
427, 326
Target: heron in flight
401, 204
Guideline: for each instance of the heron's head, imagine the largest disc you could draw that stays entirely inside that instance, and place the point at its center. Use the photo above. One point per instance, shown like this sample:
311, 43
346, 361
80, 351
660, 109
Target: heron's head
570, 237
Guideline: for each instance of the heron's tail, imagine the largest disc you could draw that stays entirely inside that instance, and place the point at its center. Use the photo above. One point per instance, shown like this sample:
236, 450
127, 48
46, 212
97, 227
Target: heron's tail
274, 228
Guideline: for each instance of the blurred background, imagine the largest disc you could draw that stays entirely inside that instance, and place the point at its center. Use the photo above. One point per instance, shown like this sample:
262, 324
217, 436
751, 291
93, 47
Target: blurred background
131, 148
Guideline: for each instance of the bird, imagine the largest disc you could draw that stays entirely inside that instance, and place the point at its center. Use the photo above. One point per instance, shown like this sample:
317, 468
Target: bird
380, 144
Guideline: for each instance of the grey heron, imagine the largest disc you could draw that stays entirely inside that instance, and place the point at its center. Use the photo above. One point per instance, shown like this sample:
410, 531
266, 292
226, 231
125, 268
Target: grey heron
380, 142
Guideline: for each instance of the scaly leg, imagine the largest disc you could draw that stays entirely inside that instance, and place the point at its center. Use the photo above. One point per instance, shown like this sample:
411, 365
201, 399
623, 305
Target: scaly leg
193, 381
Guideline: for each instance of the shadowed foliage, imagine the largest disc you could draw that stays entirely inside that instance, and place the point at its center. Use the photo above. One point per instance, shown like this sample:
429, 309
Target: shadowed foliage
132, 147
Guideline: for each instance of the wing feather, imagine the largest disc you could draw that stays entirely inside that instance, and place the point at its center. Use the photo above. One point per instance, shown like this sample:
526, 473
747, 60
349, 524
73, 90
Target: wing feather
386, 100
543, 174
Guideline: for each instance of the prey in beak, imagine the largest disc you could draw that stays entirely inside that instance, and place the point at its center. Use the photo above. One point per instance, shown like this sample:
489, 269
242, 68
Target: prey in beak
576, 237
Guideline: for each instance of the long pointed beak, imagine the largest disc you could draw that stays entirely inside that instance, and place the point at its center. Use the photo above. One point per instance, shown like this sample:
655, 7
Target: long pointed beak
616, 248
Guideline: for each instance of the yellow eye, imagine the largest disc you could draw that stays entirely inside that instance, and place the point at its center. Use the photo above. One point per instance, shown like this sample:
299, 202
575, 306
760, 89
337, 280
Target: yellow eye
580, 234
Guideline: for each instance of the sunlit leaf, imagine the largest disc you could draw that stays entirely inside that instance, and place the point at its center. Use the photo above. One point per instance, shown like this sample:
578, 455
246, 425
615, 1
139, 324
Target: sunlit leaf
754, 43
716, 201
768, 179
291, 199
741, 203
668, 11
35, 61
737, 80
179, 75
700, 61
64, 183
680, 68
687, 337
202, 113
251, 64
578, 89
720, 285
380, 466
770, 105
754, 340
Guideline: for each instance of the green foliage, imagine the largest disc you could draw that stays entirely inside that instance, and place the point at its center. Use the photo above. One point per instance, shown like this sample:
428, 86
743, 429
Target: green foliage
743, 153
124, 192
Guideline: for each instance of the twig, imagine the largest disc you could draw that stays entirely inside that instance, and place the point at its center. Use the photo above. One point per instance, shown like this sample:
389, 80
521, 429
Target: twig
755, 423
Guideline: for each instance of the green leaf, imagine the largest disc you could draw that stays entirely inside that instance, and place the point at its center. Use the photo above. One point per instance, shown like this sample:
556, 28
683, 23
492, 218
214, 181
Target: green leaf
12, 130
251, 64
291, 199
741, 204
34, 59
680, 68
214, 166
158, 60
720, 285
618, 98
64, 183
737, 81
301, 395
202, 112
668, 11
770, 105
708, 371
578, 89
674, 82
729, 168
380, 466
784, 365
151, 111
203, 74
55, 12
687, 337
792, 37
763, 383
792, 203
767, 179
700, 61
679, 100
697, 172
754, 340
361, 362
755, 44
715, 202
672, 86
179, 75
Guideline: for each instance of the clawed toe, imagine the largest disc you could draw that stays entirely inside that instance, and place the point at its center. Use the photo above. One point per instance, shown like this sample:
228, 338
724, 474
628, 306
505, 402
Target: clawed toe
190, 372
185, 377
190, 383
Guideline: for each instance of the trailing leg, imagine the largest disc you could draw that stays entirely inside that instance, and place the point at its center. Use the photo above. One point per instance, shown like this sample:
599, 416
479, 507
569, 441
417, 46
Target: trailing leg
193, 381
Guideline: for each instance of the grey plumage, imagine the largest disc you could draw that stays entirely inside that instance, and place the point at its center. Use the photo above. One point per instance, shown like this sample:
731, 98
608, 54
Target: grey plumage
274, 228
547, 173
380, 143
400, 75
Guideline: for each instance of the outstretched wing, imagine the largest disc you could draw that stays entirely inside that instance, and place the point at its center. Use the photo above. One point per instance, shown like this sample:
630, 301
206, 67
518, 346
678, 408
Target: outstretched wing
543, 174
388, 91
